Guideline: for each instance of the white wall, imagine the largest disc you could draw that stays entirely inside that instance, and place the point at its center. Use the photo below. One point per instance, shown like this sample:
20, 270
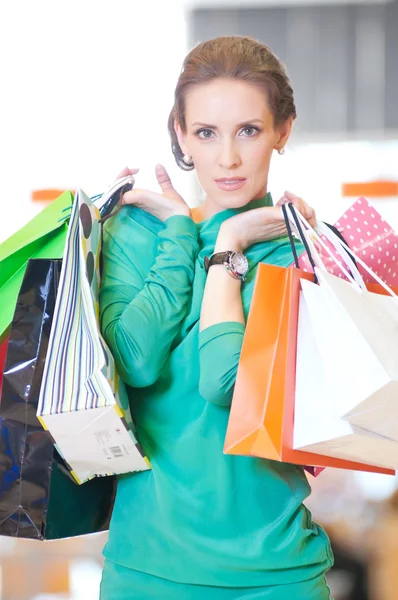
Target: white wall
317, 170
86, 89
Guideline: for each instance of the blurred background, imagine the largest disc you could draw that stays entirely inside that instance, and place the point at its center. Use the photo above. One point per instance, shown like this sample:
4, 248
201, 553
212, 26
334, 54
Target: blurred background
86, 90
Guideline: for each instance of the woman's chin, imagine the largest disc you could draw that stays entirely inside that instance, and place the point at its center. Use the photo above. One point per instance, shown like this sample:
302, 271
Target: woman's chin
231, 199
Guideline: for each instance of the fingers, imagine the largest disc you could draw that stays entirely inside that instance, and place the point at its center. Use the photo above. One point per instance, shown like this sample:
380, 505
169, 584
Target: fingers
305, 209
127, 171
311, 216
290, 196
135, 196
127, 197
163, 178
161, 175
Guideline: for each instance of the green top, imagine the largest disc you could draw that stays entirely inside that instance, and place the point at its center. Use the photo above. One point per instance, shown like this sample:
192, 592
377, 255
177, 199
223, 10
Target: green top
200, 516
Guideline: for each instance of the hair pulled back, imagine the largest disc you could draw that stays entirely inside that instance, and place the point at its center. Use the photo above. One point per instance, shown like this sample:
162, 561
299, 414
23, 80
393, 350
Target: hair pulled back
231, 57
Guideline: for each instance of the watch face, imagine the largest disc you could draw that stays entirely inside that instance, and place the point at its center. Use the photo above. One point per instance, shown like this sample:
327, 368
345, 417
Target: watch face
239, 263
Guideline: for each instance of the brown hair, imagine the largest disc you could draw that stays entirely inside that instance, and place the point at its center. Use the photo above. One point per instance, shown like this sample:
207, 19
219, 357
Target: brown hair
232, 57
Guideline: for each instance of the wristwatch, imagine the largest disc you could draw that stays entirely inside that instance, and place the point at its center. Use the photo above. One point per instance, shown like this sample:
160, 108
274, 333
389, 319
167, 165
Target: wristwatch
236, 263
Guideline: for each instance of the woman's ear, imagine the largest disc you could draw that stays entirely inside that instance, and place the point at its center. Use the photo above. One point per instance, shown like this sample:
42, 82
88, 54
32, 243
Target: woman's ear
284, 130
181, 136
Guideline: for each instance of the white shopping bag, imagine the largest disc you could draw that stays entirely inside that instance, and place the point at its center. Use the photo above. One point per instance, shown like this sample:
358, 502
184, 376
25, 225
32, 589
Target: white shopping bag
83, 403
356, 332
317, 425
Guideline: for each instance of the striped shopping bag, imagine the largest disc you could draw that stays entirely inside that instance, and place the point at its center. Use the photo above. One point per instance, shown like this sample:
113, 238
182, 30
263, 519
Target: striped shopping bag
83, 403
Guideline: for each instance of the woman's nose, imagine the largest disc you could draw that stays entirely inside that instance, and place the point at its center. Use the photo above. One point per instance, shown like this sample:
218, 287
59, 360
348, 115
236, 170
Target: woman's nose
229, 157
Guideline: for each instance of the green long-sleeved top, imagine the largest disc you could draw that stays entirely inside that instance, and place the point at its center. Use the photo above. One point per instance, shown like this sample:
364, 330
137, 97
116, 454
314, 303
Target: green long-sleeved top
199, 516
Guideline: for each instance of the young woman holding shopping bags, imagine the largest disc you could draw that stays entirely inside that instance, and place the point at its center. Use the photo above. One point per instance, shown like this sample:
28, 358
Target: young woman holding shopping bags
177, 285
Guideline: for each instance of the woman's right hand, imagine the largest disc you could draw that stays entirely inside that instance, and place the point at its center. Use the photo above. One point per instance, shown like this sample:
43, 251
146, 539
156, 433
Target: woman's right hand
161, 205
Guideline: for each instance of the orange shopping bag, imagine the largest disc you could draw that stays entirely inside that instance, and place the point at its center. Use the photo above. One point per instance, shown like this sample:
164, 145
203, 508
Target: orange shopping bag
262, 412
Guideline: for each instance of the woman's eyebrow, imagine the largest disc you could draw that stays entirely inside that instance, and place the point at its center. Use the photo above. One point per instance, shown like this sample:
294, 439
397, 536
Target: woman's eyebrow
204, 125
196, 124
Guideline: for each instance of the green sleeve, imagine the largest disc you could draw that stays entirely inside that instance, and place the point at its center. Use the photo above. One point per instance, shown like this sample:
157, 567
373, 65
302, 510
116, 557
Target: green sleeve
141, 313
219, 352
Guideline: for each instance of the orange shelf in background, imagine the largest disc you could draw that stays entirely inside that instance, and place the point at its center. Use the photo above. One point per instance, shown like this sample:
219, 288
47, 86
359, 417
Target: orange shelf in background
46, 195
370, 189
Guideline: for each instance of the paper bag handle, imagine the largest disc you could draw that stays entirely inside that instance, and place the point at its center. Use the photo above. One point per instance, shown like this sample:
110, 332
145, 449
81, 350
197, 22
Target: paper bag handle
337, 241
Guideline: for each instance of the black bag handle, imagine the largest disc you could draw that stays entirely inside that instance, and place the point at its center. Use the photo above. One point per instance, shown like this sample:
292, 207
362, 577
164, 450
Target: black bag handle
301, 235
290, 234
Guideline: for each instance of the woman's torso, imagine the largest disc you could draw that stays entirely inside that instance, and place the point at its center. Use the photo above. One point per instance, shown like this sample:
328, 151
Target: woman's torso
200, 516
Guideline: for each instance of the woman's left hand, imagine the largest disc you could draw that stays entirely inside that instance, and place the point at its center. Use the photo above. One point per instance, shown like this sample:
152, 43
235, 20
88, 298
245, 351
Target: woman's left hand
305, 209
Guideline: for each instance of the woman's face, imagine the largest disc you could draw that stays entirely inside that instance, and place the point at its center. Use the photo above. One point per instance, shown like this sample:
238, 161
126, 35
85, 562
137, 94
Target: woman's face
230, 135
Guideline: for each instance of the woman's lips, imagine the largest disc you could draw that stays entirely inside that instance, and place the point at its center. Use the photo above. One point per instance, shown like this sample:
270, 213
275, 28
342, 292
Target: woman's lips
231, 184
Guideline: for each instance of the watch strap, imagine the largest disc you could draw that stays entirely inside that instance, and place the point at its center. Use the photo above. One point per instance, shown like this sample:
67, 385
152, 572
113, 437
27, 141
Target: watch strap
219, 258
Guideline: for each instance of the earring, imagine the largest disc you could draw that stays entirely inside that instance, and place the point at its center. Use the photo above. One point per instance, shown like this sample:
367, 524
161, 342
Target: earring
281, 151
187, 160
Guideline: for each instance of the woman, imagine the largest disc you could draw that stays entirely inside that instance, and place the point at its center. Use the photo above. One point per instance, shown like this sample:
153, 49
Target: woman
201, 524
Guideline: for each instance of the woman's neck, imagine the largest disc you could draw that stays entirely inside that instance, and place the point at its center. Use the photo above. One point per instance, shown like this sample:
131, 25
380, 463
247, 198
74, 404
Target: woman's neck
200, 214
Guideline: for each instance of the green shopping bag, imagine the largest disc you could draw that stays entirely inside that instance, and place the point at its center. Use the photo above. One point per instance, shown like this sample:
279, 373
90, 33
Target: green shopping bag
43, 237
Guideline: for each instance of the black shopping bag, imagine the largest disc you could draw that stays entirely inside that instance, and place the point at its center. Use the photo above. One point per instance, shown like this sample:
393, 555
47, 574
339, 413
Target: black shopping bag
38, 497
3, 352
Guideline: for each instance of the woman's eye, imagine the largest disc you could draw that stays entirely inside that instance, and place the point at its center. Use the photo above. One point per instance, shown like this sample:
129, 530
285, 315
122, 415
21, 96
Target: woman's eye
204, 133
250, 131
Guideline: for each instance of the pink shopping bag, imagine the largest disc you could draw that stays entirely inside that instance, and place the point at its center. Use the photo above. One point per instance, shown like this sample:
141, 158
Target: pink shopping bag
370, 237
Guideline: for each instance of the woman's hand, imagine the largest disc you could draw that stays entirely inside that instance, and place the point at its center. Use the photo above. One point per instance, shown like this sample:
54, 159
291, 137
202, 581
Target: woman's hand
260, 224
305, 209
163, 205
126, 171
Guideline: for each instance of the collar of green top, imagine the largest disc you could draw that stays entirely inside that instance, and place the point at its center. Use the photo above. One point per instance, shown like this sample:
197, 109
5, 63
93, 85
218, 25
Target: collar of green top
209, 228
223, 215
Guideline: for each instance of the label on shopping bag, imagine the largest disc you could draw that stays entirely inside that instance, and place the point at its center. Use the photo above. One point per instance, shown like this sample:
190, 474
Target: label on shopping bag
95, 442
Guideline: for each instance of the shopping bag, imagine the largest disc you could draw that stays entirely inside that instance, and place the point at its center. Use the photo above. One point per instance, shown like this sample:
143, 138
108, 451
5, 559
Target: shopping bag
262, 411
39, 499
43, 237
370, 237
365, 368
368, 322
3, 352
83, 402
366, 317
317, 423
